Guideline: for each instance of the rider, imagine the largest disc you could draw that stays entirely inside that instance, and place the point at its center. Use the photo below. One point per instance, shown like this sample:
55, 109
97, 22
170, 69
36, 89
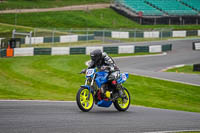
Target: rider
99, 60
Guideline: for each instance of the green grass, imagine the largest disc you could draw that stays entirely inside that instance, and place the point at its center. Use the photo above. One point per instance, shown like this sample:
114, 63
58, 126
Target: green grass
21, 4
69, 19
57, 78
100, 18
79, 43
6, 30
184, 69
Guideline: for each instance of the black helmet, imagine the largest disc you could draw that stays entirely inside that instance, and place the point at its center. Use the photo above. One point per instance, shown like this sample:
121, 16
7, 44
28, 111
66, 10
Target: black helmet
96, 55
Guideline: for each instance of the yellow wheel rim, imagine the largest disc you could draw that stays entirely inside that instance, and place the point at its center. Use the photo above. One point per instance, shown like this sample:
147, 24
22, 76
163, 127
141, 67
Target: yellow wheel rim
85, 102
124, 103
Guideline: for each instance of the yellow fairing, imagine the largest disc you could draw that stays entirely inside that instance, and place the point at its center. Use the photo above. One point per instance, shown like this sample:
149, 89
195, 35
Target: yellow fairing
108, 94
85, 102
124, 104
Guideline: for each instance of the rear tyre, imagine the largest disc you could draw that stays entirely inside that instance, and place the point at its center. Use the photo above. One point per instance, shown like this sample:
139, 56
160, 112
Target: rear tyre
82, 100
123, 104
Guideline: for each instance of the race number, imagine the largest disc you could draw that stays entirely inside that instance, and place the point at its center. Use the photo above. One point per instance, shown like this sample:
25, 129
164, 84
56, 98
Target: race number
89, 72
124, 76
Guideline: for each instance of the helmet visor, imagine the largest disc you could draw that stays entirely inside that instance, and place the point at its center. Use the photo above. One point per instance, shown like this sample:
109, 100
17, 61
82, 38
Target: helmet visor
95, 58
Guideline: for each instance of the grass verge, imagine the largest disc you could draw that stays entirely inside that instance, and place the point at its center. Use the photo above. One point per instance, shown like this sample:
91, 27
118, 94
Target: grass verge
57, 78
79, 43
6, 29
99, 18
184, 69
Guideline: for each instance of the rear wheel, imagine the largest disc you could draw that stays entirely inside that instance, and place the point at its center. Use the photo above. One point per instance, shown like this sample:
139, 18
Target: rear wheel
82, 100
122, 104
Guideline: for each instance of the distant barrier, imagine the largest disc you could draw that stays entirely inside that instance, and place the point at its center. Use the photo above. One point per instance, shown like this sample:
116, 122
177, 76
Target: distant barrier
0, 40
196, 45
152, 34
23, 51
103, 36
196, 67
87, 50
60, 39
179, 33
60, 51
146, 34
2, 52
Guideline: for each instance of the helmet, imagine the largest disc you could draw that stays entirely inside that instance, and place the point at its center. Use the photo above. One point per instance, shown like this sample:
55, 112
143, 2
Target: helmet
96, 55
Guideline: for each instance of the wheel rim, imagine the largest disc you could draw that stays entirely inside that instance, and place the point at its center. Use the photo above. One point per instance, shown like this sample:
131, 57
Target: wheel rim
86, 104
123, 104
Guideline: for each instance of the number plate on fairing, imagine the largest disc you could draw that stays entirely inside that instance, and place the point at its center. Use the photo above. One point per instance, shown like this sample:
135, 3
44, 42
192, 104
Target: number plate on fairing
89, 72
124, 77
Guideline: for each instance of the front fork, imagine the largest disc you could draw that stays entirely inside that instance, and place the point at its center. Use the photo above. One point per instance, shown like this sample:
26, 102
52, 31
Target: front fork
118, 88
124, 97
91, 86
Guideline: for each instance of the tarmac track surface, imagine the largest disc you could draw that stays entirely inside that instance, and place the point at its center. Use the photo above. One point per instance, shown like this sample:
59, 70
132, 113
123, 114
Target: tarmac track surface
182, 53
65, 117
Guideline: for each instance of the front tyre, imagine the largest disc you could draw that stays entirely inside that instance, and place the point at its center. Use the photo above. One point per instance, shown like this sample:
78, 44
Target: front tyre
122, 104
82, 100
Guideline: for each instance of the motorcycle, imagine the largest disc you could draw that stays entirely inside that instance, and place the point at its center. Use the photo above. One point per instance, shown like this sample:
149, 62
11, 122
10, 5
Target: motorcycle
103, 93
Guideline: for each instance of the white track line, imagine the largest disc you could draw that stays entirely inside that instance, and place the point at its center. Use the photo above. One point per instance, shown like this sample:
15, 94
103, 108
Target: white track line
174, 131
161, 70
184, 39
170, 67
166, 79
138, 56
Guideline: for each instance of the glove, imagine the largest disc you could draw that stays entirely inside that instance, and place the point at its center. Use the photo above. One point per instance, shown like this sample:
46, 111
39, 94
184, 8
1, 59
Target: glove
105, 68
83, 71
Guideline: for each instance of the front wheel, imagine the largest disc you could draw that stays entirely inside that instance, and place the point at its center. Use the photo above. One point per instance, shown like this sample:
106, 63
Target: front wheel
82, 100
122, 104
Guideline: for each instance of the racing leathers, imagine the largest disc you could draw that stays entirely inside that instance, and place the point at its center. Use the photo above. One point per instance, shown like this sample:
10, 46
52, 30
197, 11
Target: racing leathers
106, 62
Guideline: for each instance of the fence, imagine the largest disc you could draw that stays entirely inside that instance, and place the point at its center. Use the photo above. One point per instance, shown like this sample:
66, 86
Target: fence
86, 50
55, 37
196, 45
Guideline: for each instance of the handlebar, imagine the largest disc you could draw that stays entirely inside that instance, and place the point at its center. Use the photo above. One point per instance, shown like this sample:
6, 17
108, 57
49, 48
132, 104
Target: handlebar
83, 71
105, 67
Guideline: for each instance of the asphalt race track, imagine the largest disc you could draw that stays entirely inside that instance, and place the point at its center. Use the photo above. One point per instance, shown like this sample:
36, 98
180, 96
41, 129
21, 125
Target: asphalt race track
181, 53
65, 117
